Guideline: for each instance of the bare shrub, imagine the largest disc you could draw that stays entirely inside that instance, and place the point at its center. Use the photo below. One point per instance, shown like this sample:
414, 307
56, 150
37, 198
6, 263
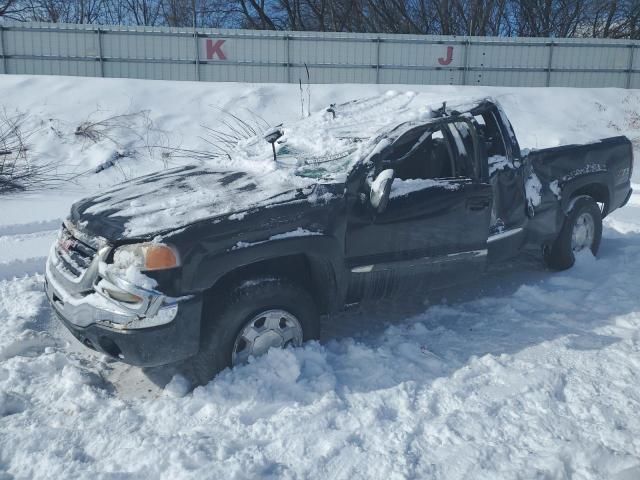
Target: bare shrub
116, 128
127, 132
234, 129
20, 172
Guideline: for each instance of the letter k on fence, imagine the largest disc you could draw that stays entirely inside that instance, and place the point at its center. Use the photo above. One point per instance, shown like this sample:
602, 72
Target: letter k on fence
215, 49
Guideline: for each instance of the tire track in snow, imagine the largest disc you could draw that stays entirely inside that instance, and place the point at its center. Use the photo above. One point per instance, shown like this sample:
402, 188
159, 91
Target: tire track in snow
31, 227
24, 247
21, 268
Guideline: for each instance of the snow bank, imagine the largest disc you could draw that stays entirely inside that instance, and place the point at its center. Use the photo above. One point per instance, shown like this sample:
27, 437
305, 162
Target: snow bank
527, 380
523, 374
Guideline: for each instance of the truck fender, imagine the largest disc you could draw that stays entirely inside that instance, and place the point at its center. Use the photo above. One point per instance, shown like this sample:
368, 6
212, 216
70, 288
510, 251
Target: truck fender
323, 259
598, 190
572, 203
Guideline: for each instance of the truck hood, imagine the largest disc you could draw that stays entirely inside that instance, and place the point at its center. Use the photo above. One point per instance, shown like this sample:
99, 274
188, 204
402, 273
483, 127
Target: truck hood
170, 200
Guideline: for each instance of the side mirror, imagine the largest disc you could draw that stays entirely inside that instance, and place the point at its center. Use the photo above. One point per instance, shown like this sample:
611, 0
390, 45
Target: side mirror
381, 189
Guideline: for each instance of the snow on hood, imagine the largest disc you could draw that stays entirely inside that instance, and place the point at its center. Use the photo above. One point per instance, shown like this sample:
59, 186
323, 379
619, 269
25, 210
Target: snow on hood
178, 197
317, 149
322, 148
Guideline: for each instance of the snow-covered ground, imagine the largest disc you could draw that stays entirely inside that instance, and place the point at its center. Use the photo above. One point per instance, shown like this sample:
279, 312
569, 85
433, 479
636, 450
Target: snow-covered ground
524, 374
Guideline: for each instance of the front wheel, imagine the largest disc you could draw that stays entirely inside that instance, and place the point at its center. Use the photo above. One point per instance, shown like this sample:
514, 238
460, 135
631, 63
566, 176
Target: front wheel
582, 229
258, 315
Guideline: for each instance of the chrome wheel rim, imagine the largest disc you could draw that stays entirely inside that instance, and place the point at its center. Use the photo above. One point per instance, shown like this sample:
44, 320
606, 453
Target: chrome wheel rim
269, 329
583, 232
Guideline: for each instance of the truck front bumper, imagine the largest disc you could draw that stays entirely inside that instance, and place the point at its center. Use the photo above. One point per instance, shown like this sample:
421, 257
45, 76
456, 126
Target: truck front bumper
103, 325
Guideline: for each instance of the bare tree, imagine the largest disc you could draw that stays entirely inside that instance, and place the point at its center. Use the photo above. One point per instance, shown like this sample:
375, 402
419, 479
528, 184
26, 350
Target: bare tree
143, 12
13, 9
537, 18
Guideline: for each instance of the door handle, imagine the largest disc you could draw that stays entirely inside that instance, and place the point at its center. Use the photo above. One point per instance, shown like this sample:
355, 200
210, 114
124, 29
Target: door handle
478, 203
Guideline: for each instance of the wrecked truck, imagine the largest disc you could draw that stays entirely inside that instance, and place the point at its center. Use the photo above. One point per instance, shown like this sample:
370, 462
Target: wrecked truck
212, 266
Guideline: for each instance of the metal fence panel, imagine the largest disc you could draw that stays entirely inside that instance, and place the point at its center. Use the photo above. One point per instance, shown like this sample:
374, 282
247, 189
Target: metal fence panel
150, 46
506, 78
589, 79
420, 54
51, 43
508, 56
634, 67
149, 70
602, 57
79, 68
270, 56
242, 73
418, 77
250, 50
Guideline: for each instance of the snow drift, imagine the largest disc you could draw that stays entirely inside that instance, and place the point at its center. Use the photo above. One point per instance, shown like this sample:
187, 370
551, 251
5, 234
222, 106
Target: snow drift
524, 374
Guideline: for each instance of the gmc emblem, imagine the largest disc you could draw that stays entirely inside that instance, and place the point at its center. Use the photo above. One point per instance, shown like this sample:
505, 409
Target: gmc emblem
67, 244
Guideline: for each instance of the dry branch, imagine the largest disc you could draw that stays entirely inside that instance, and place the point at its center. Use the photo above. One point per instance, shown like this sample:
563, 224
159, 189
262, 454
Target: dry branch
17, 170
114, 128
234, 129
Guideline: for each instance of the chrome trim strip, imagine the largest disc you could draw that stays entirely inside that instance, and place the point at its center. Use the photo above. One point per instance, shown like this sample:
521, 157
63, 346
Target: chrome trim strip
419, 261
362, 269
505, 234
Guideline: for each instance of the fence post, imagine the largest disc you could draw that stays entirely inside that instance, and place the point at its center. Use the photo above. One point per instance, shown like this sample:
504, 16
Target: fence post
196, 48
549, 64
630, 65
465, 67
99, 33
378, 40
2, 53
287, 39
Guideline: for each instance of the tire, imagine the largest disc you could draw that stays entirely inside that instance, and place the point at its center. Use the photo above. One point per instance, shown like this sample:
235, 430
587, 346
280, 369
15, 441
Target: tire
246, 305
561, 254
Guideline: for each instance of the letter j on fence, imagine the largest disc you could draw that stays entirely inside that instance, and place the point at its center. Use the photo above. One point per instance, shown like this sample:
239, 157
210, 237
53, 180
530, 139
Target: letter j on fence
448, 58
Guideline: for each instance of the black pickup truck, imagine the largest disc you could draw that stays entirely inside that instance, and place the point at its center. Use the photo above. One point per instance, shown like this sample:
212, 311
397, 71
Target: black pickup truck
211, 266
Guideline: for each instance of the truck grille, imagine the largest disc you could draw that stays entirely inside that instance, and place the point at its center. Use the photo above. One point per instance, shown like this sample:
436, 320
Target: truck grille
75, 256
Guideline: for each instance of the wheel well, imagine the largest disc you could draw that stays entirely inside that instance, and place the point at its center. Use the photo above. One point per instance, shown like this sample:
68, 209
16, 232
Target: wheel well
597, 191
296, 268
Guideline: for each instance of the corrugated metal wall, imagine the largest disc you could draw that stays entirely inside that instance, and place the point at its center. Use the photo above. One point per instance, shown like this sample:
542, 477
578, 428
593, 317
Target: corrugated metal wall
266, 56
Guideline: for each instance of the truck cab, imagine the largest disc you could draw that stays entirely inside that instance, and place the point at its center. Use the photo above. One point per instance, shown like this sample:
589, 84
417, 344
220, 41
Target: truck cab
449, 209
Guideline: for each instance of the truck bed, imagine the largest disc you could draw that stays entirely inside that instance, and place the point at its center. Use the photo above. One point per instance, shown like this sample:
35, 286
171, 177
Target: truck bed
553, 176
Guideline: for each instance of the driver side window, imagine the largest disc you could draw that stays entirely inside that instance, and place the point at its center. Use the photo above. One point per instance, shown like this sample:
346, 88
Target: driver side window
422, 155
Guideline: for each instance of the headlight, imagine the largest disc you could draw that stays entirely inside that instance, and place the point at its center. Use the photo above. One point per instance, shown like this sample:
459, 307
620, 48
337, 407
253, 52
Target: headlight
147, 256
123, 281
121, 295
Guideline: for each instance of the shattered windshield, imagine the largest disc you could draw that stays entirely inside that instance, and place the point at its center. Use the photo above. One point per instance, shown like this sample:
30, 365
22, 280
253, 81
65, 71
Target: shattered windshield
326, 145
321, 167
320, 155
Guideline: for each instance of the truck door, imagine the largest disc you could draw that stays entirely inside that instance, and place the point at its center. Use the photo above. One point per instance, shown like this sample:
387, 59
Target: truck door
508, 216
436, 223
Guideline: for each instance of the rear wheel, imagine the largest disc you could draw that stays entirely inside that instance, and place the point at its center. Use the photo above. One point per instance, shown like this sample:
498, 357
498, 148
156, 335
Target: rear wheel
258, 315
582, 229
